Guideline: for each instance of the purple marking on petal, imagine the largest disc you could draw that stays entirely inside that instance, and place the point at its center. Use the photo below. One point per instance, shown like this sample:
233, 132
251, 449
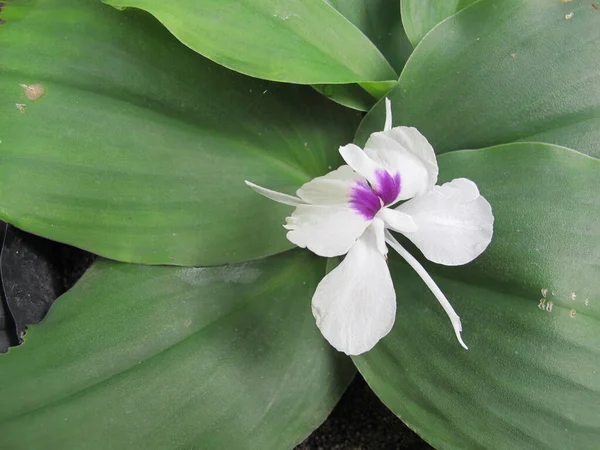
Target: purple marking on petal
364, 201
388, 186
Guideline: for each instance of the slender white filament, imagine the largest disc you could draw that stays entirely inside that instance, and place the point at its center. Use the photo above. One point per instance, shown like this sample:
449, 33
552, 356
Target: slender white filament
430, 284
388, 115
275, 196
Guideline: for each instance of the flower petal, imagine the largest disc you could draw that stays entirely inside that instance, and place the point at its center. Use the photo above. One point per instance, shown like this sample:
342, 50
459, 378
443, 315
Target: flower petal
397, 221
274, 195
417, 166
378, 227
355, 304
331, 189
327, 230
455, 222
356, 158
412, 140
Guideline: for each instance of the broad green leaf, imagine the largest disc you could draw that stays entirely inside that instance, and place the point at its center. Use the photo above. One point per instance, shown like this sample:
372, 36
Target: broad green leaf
360, 97
379, 89
304, 42
380, 21
139, 149
143, 357
530, 309
349, 95
499, 72
420, 16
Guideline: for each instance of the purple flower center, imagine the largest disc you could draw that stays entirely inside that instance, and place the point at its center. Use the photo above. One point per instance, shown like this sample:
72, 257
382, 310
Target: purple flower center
367, 200
388, 186
364, 201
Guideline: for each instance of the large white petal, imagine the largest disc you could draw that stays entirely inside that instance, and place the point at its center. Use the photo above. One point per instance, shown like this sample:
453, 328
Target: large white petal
327, 230
417, 166
412, 140
355, 304
278, 197
455, 222
333, 188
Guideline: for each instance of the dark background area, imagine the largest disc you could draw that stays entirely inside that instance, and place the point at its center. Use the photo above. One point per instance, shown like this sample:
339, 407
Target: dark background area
361, 422
35, 271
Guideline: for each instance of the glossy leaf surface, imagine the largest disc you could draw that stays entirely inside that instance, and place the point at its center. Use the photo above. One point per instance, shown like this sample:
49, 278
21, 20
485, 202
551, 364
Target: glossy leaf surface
139, 148
349, 95
380, 21
304, 42
169, 358
502, 71
420, 16
530, 309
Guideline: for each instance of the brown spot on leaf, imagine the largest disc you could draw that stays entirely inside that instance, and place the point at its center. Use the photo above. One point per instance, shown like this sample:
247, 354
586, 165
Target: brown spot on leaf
33, 91
596, 6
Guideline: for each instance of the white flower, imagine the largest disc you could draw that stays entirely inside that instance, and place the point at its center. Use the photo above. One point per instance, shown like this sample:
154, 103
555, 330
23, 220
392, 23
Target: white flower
349, 210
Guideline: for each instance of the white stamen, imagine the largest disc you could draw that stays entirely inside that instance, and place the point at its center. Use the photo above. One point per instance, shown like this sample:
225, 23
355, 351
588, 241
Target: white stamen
388, 115
275, 196
430, 284
379, 229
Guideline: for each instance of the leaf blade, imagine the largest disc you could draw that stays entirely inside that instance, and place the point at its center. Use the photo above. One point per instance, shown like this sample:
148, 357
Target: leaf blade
277, 40
419, 17
197, 347
528, 380
470, 82
139, 149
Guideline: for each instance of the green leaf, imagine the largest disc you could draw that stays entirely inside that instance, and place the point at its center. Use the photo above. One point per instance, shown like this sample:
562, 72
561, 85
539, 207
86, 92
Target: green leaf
280, 40
530, 309
378, 90
380, 21
139, 149
143, 357
349, 95
497, 73
420, 16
